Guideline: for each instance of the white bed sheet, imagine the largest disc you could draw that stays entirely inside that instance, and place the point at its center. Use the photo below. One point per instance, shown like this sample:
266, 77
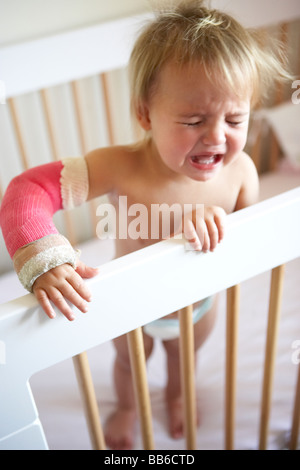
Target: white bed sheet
59, 403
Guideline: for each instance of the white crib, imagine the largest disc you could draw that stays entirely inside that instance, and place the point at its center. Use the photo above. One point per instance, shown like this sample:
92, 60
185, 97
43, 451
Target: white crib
259, 239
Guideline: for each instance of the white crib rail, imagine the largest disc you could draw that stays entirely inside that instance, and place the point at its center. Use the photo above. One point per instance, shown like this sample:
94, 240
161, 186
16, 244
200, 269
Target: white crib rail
130, 292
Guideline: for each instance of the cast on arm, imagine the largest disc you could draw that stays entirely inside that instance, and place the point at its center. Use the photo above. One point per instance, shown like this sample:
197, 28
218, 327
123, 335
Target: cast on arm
26, 214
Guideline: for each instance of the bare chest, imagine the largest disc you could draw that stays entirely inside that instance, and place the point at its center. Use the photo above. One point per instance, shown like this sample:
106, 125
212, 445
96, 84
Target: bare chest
148, 195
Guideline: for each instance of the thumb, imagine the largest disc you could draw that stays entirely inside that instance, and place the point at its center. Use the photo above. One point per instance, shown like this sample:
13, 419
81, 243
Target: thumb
86, 271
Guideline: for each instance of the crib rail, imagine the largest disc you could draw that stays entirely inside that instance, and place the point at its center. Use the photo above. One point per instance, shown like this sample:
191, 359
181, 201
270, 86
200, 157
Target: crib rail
254, 244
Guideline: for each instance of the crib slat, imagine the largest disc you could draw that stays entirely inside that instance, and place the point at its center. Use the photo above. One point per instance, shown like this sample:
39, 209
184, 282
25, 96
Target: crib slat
49, 121
139, 375
108, 113
296, 416
233, 303
86, 386
83, 141
270, 352
187, 370
279, 97
19, 135
79, 114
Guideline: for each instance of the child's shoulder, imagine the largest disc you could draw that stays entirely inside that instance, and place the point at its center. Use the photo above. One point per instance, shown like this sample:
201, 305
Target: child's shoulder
248, 181
243, 169
245, 162
111, 158
109, 166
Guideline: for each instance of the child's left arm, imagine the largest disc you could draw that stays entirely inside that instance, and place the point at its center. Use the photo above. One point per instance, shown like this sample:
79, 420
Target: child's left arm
206, 230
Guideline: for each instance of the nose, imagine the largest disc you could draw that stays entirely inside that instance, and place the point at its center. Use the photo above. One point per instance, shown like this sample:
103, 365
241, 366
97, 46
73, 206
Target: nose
214, 135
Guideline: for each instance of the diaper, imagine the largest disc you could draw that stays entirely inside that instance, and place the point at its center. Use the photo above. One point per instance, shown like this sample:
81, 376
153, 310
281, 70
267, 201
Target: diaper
168, 328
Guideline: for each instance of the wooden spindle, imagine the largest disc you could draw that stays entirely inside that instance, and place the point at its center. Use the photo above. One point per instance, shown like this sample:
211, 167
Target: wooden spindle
233, 303
18, 131
79, 117
278, 98
187, 370
85, 382
139, 376
296, 415
107, 107
49, 122
270, 352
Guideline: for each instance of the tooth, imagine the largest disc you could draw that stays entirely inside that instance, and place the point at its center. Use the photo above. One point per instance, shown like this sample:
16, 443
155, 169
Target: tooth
205, 161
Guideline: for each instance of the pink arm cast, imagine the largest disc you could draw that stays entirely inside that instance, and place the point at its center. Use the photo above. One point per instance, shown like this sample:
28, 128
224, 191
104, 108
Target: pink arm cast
26, 214
29, 204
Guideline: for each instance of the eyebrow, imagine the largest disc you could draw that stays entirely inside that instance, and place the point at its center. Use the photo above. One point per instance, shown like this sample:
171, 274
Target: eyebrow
200, 115
239, 114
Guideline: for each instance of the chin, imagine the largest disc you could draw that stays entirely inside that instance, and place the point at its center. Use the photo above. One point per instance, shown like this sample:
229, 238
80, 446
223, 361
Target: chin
204, 175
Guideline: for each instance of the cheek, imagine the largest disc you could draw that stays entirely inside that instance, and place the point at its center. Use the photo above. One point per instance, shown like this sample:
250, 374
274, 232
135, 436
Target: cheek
172, 140
238, 142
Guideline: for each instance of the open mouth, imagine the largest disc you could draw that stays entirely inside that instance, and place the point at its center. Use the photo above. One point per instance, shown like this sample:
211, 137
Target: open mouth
206, 161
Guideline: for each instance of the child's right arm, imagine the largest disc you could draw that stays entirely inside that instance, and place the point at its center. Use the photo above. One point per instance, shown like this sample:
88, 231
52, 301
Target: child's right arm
44, 260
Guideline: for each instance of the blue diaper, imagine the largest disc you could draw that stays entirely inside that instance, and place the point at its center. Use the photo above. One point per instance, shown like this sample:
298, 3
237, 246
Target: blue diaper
168, 328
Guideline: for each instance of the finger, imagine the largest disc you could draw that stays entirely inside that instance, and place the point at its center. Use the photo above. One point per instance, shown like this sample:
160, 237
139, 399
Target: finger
202, 233
58, 299
79, 286
206, 239
70, 294
192, 236
213, 234
220, 221
86, 271
44, 302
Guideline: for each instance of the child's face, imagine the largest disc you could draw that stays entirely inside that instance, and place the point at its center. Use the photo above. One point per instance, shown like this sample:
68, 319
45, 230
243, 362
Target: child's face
197, 128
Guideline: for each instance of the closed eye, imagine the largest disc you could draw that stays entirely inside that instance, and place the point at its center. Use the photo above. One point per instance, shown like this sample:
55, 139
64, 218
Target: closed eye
234, 123
192, 124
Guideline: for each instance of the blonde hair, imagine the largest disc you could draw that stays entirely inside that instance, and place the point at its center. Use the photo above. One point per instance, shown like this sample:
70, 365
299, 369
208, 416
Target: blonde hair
232, 56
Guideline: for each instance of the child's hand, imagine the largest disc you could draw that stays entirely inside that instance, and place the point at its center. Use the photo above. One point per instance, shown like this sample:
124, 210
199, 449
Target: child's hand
204, 231
64, 283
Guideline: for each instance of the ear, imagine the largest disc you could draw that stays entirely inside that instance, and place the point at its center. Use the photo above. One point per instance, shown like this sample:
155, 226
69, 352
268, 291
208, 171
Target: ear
143, 117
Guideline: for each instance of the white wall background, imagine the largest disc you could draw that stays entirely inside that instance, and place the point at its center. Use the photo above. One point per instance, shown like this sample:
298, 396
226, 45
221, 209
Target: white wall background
28, 19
